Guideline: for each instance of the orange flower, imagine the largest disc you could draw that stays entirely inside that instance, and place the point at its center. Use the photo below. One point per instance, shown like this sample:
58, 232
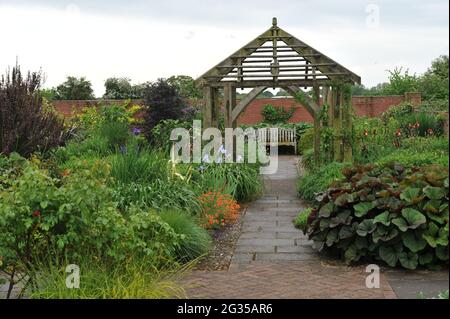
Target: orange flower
218, 209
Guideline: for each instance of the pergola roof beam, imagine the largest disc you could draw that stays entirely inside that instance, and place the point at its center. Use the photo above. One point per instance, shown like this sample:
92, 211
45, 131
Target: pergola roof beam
278, 66
280, 75
280, 56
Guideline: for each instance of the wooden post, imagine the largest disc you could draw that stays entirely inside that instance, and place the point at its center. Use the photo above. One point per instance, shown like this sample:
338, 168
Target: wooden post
207, 106
347, 128
337, 125
215, 110
229, 96
317, 127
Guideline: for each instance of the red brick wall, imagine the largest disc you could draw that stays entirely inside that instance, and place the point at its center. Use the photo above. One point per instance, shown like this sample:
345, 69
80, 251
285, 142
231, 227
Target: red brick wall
371, 106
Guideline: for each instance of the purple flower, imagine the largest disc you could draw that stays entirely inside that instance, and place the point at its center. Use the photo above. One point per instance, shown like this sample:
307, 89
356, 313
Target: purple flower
201, 168
136, 131
122, 149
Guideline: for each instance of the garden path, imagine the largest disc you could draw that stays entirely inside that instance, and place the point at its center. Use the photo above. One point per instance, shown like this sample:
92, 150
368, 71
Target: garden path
273, 259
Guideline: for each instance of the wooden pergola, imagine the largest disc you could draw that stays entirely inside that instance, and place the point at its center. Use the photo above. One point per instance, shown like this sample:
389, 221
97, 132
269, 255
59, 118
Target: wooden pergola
276, 59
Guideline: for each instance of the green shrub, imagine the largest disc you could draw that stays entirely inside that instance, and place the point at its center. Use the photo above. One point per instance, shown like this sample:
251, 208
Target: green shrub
95, 146
419, 151
301, 221
308, 159
161, 133
306, 140
426, 123
196, 240
273, 114
390, 214
116, 133
319, 180
398, 111
42, 215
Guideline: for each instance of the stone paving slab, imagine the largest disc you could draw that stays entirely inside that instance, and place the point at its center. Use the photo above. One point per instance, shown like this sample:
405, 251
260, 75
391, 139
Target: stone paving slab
408, 284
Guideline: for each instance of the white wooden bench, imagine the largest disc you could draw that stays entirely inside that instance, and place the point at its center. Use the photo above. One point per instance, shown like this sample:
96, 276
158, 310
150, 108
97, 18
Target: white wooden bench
286, 137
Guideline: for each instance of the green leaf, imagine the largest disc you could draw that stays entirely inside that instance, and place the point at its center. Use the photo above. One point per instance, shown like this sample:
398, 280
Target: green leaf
332, 237
400, 223
324, 223
389, 255
44, 204
326, 210
442, 252
361, 243
426, 258
351, 254
344, 199
434, 192
411, 195
413, 217
409, 260
341, 218
366, 227
436, 237
362, 209
384, 233
382, 218
346, 232
413, 241
432, 206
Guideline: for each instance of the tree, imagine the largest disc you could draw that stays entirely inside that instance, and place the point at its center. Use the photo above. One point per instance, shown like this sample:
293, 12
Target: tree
162, 102
49, 94
186, 86
266, 94
434, 82
121, 88
75, 89
401, 82
282, 92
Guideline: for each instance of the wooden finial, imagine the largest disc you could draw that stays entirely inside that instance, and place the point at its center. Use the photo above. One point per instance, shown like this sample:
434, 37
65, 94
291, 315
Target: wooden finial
274, 21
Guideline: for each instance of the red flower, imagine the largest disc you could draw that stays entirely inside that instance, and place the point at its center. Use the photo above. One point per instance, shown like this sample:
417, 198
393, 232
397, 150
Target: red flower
366, 133
398, 132
36, 213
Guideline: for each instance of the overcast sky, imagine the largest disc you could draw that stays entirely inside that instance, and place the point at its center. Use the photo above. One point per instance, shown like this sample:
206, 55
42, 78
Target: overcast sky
145, 40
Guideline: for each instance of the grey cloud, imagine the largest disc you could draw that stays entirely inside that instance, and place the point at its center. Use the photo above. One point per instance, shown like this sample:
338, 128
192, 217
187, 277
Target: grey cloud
294, 13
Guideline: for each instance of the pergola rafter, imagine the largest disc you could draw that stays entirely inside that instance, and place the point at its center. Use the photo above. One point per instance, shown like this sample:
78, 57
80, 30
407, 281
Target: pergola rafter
278, 59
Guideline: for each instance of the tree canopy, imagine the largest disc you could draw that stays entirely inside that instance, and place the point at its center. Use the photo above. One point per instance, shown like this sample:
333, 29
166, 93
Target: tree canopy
121, 88
75, 89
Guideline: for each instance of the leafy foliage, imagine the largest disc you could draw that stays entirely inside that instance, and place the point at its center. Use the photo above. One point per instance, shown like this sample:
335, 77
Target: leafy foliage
75, 89
319, 180
386, 213
27, 124
274, 115
301, 221
67, 215
163, 101
186, 86
121, 88
195, 240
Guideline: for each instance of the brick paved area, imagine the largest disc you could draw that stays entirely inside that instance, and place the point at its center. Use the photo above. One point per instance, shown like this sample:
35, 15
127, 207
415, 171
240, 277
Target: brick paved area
273, 259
